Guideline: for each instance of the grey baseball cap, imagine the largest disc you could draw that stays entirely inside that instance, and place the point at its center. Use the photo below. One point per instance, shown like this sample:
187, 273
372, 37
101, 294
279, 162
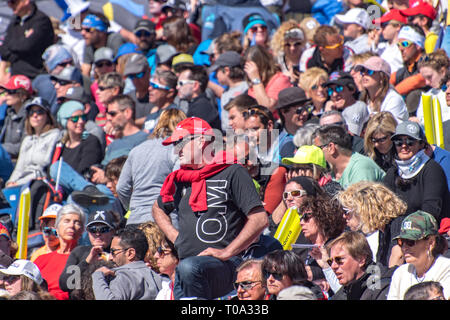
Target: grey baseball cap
409, 128
136, 64
104, 53
227, 59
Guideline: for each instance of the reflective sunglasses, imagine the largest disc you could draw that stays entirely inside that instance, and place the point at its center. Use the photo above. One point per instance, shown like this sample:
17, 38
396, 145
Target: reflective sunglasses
137, 75
257, 28
155, 85
444, 87
48, 231
62, 82
294, 194
102, 64
306, 216
407, 242
339, 261
88, 30
275, 275
254, 112
379, 140
336, 89
98, 229
39, 112
75, 119
404, 44
337, 45
408, 141
181, 83
245, 285
365, 71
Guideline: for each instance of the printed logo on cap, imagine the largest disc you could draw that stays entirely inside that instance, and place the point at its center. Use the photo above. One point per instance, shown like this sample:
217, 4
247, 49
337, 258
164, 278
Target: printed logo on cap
411, 128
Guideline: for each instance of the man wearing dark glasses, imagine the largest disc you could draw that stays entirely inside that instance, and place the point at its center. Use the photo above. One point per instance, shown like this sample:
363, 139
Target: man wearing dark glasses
69, 77
28, 35
144, 30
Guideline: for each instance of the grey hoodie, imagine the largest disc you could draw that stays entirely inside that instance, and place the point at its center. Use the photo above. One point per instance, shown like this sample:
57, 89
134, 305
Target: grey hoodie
132, 281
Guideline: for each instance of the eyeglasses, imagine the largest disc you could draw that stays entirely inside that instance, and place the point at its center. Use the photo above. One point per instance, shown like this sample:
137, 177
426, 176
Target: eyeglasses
137, 75
336, 89
65, 64
75, 119
254, 112
88, 30
162, 251
48, 231
339, 261
257, 28
155, 85
11, 278
408, 141
323, 145
39, 112
404, 44
11, 91
306, 216
102, 88
99, 229
315, 87
102, 64
337, 45
294, 194
245, 285
407, 242
144, 34
114, 252
275, 275
62, 82
379, 140
183, 142
365, 71
300, 110
181, 83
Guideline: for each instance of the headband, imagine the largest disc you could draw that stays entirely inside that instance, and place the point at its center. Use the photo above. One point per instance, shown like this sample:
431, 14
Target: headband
92, 21
412, 35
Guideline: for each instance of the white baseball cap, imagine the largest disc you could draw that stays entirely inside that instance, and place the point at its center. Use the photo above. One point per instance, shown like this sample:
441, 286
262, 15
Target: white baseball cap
355, 15
51, 212
26, 268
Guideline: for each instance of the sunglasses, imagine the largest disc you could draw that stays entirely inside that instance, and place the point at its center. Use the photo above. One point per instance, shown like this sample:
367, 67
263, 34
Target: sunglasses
11, 278
294, 194
180, 144
365, 71
88, 30
11, 91
275, 275
306, 216
302, 109
39, 112
145, 34
112, 113
155, 85
181, 83
162, 251
407, 242
102, 64
99, 229
102, 88
379, 140
75, 119
254, 112
114, 252
49, 232
257, 28
62, 82
65, 64
404, 44
336, 89
337, 45
408, 141
137, 75
245, 285
339, 261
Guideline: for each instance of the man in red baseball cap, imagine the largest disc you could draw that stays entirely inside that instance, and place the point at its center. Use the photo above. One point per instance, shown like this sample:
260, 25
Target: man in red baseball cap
422, 13
219, 212
391, 23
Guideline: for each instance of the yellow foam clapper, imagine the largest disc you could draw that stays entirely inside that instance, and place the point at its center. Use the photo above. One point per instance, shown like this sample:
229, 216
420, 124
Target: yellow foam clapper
428, 117
438, 130
289, 228
108, 11
22, 227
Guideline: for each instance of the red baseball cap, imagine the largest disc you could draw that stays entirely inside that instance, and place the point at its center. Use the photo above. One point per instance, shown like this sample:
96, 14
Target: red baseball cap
445, 225
187, 127
420, 7
393, 14
19, 81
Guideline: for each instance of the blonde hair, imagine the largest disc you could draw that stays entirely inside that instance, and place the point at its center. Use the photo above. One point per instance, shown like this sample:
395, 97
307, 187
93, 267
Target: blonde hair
167, 123
374, 204
312, 76
155, 236
382, 122
360, 58
278, 40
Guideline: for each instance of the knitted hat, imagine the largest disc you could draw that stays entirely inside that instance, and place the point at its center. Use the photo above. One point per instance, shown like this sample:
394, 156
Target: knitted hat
66, 110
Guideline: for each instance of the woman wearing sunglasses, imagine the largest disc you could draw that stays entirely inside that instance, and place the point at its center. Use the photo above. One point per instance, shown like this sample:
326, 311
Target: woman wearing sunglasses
80, 149
167, 260
100, 229
423, 247
37, 147
377, 139
416, 178
255, 31
311, 81
378, 93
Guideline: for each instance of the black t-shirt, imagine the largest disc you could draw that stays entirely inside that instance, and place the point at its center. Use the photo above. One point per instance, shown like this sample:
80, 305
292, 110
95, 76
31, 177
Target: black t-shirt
231, 195
83, 156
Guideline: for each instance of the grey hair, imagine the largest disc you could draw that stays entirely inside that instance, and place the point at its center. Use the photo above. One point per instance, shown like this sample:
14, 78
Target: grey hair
304, 135
70, 208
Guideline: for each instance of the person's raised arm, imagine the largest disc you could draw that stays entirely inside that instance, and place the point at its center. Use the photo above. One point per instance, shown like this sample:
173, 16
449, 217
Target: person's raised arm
163, 221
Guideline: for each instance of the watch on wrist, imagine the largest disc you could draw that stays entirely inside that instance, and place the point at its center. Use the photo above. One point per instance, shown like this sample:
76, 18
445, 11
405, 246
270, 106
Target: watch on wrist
256, 81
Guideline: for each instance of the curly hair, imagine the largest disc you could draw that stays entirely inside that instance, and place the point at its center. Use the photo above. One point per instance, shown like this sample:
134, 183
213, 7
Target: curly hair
155, 237
435, 60
374, 204
278, 38
229, 41
327, 213
382, 122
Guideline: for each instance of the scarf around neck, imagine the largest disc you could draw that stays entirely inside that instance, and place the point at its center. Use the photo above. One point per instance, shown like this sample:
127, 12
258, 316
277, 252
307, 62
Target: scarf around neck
410, 168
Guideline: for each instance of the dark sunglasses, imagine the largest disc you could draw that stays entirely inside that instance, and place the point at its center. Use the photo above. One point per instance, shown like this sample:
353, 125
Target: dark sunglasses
65, 64
75, 119
115, 251
275, 275
145, 34
407, 242
300, 110
137, 75
49, 232
339, 261
102, 88
112, 113
104, 64
162, 251
306, 217
62, 82
39, 112
336, 89
88, 30
295, 44
182, 142
408, 141
98, 229
245, 285
254, 112
365, 71
379, 140
256, 28
11, 91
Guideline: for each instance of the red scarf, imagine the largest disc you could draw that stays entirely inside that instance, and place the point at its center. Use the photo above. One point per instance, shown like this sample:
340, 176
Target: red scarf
198, 198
